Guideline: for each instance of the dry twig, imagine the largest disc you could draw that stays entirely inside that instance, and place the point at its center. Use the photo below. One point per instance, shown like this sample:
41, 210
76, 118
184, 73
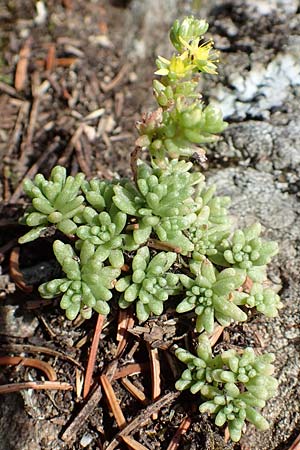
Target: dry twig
17, 132
296, 444
11, 347
133, 161
132, 443
37, 385
29, 362
125, 323
131, 369
93, 355
113, 402
9, 90
182, 429
226, 435
137, 393
81, 159
51, 60
158, 245
216, 335
22, 65
106, 87
70, 147
6, 247
77, 423
143, 417
155, 374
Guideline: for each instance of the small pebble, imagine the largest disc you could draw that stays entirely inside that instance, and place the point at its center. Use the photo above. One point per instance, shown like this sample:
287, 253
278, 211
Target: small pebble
86, 440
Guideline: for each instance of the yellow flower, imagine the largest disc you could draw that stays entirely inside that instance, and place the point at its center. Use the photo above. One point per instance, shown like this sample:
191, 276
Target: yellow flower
202, 56
177, 67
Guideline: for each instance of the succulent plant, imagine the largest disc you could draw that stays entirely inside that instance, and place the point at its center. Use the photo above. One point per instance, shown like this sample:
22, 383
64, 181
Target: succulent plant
235, 384
87, 285
210, 295
187, 30
163, 203
195, 255
99, 193
265, 300
103, 230
54, 202
150, 283
246, 250
212, 225
182, 122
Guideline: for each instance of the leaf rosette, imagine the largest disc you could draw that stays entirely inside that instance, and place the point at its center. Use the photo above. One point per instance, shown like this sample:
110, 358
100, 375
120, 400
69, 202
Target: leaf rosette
87, 285
54, 202
265, 300
103, 231
247, 251
150, 284
236, 385
212, 225
209, 294
163, 202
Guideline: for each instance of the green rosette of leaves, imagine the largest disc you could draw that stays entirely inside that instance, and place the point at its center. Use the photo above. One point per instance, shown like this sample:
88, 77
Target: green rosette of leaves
236, 385
163, 203
87, 284
209, 294
54, 202
212, 225
103, 231
265, 300
150, 284
246, 250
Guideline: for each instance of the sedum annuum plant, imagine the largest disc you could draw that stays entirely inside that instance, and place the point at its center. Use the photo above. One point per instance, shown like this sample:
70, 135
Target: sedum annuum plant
165, 236
235, 386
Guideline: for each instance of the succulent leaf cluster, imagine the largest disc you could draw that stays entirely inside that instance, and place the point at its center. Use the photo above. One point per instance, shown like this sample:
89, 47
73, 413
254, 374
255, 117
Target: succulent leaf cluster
166, 235
150, 283
87, 284
103, 231
212, 225
54, 202
235, 386
210, 294
265, 300
162, 202
246, 250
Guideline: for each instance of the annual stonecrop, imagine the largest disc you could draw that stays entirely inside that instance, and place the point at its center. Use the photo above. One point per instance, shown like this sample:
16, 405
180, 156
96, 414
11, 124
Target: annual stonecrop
150, 283
165, 239
54, 202
87, 283
210, 294
234, 384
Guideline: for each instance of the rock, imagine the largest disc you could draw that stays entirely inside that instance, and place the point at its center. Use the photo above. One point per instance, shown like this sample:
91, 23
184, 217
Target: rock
14, 322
